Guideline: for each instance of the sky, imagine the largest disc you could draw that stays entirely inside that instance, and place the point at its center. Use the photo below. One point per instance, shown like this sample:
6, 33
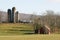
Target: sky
30, 6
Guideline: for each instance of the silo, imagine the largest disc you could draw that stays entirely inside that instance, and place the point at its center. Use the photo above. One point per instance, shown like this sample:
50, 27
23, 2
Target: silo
0, 17
9, 16
16, 17
13, 14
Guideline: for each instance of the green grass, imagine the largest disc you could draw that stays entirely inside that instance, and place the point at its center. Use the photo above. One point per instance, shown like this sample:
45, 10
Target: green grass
15, 28
18, 31
31, 37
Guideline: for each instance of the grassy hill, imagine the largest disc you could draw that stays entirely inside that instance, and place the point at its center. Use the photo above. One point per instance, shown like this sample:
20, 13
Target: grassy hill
15, 28
18, 31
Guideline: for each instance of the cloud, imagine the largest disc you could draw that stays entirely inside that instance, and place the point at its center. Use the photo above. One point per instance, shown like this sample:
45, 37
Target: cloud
57, 1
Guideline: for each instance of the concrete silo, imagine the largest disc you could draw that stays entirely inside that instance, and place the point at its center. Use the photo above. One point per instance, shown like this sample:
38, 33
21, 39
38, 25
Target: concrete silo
13, 14
16, 17
9, 15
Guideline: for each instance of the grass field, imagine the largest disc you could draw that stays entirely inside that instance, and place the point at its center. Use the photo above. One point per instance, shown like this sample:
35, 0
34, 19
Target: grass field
31, 37
17, 31
15, 28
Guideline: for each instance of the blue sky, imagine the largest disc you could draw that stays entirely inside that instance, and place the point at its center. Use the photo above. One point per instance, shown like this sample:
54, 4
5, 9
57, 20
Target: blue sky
30, 6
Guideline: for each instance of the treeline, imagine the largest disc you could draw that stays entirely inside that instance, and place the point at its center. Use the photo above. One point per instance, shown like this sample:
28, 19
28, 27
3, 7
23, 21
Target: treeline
51, 19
